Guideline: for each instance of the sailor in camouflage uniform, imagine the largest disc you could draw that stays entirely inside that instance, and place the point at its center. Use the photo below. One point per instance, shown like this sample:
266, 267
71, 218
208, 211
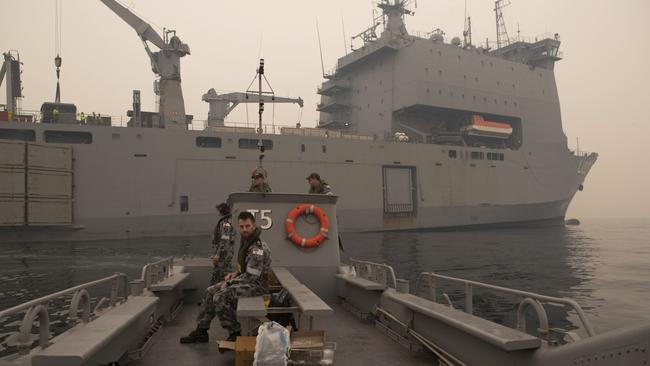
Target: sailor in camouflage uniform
259, 181
317, 185
253, 267
223, 242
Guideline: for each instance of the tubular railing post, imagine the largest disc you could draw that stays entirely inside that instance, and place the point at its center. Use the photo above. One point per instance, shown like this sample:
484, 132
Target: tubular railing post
114, 287
469, 301
432, 288
23, 339
539, 310
84, 296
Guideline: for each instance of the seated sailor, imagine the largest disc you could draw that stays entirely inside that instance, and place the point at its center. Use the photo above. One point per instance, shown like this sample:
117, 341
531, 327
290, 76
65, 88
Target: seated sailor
251, 279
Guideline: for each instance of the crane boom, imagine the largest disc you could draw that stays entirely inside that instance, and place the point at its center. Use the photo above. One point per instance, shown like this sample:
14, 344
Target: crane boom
165, 63
144, 30
3, 70
222, 104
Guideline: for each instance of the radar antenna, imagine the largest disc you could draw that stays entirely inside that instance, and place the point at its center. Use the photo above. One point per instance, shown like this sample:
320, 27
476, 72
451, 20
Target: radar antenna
391, 17
502, 32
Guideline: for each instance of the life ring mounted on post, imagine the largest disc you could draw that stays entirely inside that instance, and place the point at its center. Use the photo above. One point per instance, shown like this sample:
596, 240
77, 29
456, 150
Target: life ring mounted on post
290, 226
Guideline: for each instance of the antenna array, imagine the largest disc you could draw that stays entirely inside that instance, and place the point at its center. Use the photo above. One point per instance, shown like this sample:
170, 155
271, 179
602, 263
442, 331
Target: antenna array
502, 32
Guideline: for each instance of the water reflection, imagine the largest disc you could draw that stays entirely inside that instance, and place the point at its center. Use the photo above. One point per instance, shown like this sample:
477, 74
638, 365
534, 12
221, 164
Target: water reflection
554, 261
32, 270
602, 264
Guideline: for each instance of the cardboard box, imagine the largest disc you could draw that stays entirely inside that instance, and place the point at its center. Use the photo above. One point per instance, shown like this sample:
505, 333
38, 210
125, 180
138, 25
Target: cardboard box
309, 339
311, 349
245, 351
244, 348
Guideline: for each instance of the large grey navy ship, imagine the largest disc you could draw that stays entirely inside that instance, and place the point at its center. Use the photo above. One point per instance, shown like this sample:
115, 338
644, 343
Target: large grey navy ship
415, 132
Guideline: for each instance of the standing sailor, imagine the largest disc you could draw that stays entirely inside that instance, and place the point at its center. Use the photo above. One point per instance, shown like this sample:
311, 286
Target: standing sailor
223, 242
259, 181
55, 114
318, 185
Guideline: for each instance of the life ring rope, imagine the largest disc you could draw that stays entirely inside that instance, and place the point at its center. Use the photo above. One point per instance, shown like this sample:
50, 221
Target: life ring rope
297, 239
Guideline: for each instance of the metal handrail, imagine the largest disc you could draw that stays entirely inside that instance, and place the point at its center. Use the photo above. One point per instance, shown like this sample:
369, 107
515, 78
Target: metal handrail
38, 309
528, 298
376, 272
152, 273
19, 308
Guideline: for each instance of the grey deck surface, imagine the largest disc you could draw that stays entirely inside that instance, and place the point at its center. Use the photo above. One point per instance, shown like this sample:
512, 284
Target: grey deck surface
251, 306
357, 344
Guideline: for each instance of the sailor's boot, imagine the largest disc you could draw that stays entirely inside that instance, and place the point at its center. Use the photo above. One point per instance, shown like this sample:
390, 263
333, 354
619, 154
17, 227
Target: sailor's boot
233, 336
196, 336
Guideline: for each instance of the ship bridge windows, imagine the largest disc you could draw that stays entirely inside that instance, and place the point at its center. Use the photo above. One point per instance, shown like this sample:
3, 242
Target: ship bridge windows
17, 135
209, 142
495, 156
68, 137
251, 144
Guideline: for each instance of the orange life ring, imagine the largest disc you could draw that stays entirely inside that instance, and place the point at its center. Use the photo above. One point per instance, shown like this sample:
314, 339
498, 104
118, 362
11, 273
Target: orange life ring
290, 226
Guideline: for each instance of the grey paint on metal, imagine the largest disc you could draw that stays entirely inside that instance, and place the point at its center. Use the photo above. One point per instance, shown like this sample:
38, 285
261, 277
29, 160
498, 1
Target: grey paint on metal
10, 74
104, 340
165, 63
222, 104
251, 306
309, 303
369, 97
464, 195
312, 267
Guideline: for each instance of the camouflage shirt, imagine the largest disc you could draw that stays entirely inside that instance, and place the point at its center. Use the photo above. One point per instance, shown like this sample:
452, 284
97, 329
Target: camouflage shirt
322, 188
264, 188
223, 241
257, 263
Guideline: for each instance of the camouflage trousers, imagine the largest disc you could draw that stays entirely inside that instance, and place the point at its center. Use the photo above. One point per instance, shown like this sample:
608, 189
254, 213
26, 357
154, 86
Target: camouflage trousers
218, 273
223, 304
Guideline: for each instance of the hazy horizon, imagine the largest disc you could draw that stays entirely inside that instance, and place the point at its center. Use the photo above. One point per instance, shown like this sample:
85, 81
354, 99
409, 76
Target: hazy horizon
602, 81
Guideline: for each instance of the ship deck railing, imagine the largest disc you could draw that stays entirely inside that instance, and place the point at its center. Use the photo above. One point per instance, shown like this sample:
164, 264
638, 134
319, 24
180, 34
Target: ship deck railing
427, 284
80, 300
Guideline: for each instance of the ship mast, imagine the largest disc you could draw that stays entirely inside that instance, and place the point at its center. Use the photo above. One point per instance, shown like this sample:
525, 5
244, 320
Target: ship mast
57, 49
259, 75
502, 32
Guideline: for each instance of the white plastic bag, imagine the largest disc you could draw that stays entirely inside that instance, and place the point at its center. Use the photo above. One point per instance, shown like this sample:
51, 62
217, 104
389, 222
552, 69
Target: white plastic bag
272, 345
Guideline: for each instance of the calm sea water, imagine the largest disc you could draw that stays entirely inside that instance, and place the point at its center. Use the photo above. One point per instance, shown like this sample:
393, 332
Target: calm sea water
603, 264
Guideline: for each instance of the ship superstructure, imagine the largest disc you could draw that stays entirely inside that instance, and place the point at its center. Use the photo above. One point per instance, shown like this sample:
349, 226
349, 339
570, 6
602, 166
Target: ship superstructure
415, 132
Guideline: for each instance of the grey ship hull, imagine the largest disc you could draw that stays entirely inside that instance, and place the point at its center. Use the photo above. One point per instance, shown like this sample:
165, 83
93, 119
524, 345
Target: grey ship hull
128, 182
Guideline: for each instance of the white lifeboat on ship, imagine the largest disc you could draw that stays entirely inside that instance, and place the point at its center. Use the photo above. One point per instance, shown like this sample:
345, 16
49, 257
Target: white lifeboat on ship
479, 127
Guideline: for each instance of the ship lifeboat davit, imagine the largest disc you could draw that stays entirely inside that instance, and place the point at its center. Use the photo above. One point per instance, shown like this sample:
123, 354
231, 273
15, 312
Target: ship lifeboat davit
479, 127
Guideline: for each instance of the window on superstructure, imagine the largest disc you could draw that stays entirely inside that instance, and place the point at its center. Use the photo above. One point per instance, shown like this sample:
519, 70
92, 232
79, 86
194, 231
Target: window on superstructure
477, 155
452, 154
68, 137
251, 144
18, 135
185, 203
324, 149
302, 147
207, 141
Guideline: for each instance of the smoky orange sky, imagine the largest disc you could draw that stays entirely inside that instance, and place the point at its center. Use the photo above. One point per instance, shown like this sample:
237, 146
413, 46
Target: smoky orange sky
603, 81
